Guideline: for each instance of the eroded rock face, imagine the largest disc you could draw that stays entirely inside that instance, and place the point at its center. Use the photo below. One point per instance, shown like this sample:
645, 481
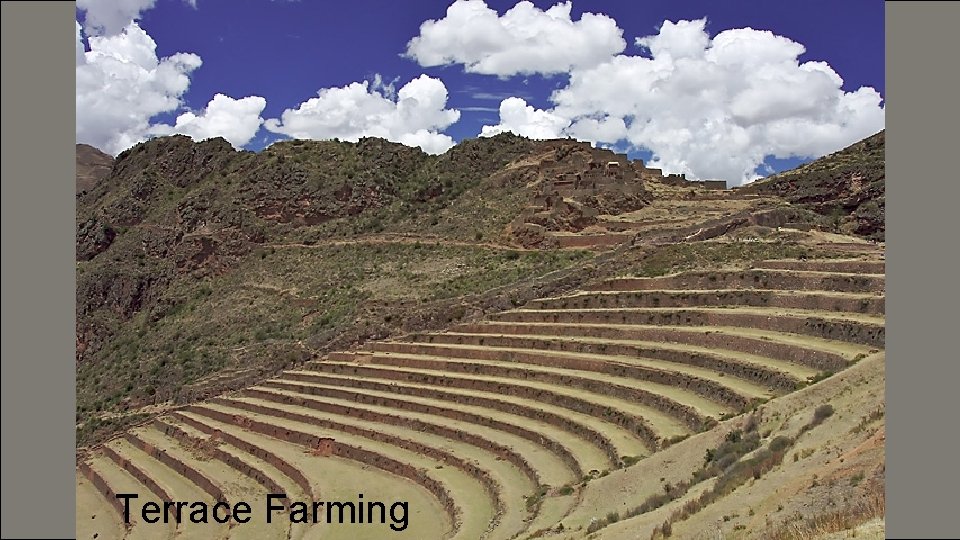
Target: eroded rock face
848, 187
92, 166
93, 237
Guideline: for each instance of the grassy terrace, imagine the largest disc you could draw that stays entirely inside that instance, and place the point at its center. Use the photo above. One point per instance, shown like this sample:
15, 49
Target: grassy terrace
336, 478
610, 438
501, 428
576, 453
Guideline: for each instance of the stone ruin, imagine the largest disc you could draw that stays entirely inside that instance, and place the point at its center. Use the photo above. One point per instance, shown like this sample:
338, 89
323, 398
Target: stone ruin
680, 180
578, 184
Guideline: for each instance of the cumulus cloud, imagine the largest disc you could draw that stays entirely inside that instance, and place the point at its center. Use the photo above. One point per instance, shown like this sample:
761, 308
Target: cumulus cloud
711, 108
518, 117
525, 40
414, 117
110, 17
122, 85
236, 120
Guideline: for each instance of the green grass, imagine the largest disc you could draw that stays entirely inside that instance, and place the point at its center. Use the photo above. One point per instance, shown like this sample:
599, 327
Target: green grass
255, 315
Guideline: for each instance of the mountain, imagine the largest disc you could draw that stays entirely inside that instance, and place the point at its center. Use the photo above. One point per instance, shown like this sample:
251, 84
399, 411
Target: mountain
507, 334
846, 187
199, 266
92, 165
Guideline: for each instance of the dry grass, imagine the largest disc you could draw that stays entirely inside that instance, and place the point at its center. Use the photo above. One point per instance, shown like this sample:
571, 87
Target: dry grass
871, 506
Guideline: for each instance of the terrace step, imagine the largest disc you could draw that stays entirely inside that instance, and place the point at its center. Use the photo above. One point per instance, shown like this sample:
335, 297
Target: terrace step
512, 477
849, 327
173, 486
337, 478
97, 516
817, 353
612, 439
450, 485
223, 479
540, 465
856, 266
627, 415
118, 479
790, 280
677, 404
270, 468
214, 447
536, 463
766, 371
731, 392
576, 454
217, 445
873, 304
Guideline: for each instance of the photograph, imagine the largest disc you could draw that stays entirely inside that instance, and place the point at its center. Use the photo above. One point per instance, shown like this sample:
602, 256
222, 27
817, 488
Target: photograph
480, 270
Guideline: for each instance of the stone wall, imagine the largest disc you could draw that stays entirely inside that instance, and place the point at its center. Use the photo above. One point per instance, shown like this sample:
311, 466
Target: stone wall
498, 450
180, 467
788, 352
635, 425
416, 407
748, 279
842, 330
490, 485
405, 470
179, 434
685, 414
575, 428
868, 304
291, 472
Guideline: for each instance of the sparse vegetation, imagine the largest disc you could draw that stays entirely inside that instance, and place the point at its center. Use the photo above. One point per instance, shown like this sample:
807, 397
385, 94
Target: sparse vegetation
393, 294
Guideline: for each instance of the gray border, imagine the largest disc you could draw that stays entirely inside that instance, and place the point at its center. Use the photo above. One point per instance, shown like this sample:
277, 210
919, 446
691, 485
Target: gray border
922, 199
38, 281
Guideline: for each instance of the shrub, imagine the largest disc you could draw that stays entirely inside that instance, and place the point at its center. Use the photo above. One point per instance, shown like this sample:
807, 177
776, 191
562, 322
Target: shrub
821, 413
780, 444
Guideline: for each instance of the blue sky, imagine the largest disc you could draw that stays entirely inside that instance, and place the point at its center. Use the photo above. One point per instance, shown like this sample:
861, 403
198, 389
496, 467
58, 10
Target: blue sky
286, 51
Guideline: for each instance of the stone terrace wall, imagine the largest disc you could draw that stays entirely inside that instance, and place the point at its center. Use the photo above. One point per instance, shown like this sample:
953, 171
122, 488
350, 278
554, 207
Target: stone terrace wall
788, 352
576, 428
762, 375
405, 470
490, 485
633, 424
501, 452
413, 406
175, 432
850, 331
288, 470
872, 305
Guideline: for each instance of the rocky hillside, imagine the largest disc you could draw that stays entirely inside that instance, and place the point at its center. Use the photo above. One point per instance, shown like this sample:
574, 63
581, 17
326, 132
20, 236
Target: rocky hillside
200, 267
847, 187
92, 165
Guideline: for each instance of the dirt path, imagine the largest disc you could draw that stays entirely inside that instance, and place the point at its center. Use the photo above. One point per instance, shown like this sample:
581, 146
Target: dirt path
396, 239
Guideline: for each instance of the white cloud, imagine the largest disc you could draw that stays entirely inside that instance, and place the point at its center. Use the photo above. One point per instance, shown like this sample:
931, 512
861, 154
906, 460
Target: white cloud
430, 142
110, 17
524, 40
80, 49
711, 108
236, 120
356, 110
121, 85
518, 117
